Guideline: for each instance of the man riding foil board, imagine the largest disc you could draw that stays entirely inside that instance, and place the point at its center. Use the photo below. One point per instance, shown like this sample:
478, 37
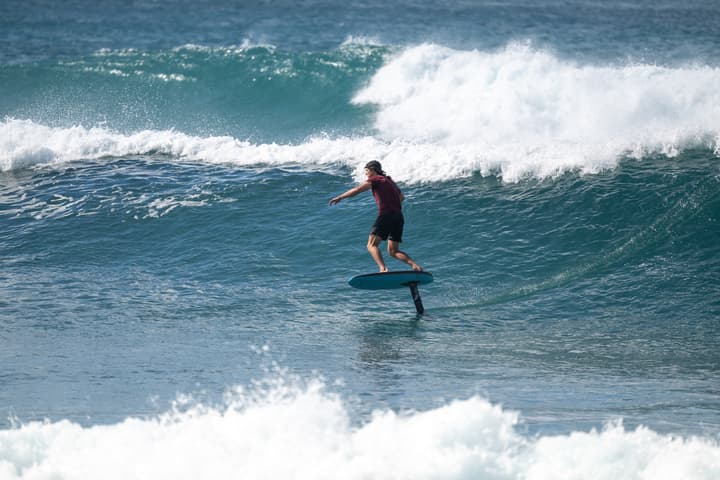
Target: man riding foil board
390, 221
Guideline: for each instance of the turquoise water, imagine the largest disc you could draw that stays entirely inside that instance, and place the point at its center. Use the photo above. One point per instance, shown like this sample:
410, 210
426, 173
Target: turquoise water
174, 298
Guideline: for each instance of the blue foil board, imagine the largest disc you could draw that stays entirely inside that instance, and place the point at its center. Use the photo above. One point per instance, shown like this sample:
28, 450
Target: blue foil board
389, 280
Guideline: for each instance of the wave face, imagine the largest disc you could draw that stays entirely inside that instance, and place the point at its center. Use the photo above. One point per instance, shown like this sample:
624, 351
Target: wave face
465, 439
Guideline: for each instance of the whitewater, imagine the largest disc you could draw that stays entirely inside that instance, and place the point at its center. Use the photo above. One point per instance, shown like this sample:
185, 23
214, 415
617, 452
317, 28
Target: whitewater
311, 430
445, 114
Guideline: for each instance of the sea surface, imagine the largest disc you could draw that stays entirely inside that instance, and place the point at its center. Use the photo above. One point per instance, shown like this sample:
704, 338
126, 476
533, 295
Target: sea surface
173, 283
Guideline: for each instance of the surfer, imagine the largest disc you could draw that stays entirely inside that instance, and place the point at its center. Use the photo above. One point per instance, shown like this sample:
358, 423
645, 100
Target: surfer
390, 221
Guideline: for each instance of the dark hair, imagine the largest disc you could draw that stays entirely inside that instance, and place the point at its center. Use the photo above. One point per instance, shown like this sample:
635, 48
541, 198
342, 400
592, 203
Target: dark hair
375, 165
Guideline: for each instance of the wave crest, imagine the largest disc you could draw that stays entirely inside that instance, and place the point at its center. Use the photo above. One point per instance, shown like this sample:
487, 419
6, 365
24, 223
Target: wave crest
444, 114
26, 144
527, 110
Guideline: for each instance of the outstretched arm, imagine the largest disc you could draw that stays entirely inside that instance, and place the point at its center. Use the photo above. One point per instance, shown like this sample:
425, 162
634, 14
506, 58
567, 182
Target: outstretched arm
363, 187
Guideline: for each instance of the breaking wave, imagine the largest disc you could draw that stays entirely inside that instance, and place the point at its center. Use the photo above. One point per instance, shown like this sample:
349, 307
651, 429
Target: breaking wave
287, 428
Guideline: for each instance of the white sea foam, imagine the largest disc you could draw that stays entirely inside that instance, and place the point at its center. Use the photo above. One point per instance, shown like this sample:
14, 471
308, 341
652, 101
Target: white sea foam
444, 114
25, 144
521, 94
299, 430
229, 50
525, 111
362, 40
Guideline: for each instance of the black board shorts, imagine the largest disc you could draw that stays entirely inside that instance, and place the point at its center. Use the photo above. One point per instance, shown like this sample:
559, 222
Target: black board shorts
389, 226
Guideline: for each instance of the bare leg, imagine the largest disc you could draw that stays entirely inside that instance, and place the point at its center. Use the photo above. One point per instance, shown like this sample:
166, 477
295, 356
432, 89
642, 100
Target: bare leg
373, 247
393, 250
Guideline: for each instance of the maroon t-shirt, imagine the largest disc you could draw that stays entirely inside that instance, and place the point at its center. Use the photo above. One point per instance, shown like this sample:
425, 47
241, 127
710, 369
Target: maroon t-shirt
386, 193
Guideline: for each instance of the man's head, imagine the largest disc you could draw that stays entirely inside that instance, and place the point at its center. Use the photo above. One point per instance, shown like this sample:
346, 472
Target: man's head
375, 167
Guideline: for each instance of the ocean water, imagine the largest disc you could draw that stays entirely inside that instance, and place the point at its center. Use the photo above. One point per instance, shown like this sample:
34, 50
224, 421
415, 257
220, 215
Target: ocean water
173, 284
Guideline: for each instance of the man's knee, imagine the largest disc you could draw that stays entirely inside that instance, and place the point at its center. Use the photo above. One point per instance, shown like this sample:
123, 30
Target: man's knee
373, 242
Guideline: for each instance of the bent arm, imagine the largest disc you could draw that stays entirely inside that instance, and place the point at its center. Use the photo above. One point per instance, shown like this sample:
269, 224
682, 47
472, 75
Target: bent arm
363, 187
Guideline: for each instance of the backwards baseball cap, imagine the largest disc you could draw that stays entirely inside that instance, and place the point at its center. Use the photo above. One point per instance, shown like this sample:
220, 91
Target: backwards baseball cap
375, 165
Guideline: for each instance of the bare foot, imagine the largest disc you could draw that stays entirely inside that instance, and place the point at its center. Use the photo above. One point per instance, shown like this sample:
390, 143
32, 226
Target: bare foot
416, 267
383, 270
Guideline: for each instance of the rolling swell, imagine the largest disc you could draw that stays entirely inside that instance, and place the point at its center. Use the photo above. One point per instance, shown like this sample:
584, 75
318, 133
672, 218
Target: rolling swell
500, 242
